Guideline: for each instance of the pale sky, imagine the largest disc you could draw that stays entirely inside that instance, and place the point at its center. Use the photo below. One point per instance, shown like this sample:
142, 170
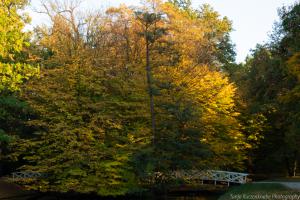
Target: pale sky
252, 19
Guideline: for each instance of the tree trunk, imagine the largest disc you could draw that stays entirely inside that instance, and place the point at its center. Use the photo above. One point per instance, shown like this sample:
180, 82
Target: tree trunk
292, 164
295, 168
250, 163
295, 163
150, 89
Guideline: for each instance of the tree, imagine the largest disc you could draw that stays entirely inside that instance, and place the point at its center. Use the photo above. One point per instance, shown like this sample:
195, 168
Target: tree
13, 71
198, 119
87, 146
88, 120
149, 21
201, 35
272, 81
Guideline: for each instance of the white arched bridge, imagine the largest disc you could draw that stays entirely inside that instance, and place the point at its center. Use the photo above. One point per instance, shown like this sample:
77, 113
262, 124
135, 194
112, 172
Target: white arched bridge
211, 175
201, 176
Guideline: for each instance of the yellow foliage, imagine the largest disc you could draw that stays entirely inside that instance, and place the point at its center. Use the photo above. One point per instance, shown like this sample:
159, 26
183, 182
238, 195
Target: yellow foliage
294, 65
211, 96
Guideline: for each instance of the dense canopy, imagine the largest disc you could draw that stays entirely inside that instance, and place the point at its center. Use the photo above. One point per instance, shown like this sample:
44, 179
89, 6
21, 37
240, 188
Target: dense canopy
98, 102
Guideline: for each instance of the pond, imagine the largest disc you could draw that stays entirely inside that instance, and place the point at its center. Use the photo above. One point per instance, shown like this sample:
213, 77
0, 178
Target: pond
37, 196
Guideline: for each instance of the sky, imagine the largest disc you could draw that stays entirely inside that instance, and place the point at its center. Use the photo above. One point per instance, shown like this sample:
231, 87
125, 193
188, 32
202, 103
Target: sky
252, 19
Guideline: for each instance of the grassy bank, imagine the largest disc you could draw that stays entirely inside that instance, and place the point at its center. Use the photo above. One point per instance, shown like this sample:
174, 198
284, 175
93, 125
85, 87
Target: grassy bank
259, 191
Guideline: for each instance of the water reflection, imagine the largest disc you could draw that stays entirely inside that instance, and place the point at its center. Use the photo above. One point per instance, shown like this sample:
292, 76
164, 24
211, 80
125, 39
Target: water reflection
193, 197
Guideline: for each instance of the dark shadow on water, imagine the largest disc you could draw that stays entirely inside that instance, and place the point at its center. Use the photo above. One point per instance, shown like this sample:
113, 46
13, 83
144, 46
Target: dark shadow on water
57, 196
10, 191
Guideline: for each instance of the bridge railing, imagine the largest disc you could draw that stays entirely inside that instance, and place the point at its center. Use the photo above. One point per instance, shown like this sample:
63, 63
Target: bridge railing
211, 175
25, 175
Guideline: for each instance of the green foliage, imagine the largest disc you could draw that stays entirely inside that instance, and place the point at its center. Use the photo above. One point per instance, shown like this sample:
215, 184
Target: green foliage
289, 29
3, 137
12, 112
12, 23
12, 41
12, 76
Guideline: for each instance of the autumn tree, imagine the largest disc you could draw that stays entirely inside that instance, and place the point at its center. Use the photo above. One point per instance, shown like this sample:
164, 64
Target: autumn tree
182, 122
197, 115
86, 135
